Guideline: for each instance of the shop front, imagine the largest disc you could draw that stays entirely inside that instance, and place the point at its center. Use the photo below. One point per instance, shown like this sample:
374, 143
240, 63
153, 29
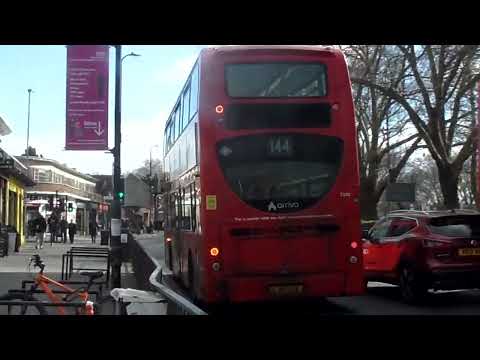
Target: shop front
13, 181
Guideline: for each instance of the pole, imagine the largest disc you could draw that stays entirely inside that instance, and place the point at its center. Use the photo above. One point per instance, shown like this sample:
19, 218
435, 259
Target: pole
478, 146
150, 185
388, 166
116, 251
28, 121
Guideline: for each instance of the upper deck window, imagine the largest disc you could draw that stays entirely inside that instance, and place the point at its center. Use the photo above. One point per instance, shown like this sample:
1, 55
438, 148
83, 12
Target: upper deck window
273, 80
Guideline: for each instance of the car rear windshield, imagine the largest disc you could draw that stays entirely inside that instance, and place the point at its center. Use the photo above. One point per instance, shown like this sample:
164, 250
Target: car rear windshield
273, 80
456, 226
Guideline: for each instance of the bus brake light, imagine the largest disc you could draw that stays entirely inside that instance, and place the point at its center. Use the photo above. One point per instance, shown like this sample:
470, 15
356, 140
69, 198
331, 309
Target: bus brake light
214, 251
219, 109
354, 244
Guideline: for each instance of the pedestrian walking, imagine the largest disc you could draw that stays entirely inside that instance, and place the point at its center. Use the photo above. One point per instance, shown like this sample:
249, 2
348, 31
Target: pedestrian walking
92, 230
52, 227
63, 229
72, 230
40, 228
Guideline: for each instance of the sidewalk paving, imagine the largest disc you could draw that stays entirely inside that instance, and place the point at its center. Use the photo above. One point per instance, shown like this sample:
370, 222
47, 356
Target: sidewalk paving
14, 268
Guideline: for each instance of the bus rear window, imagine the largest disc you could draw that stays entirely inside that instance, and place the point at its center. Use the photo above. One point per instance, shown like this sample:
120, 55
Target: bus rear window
276, 80
284, 172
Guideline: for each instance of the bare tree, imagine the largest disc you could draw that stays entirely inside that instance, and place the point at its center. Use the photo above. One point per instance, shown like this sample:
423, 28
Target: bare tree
435, 92
374, 110
423, 172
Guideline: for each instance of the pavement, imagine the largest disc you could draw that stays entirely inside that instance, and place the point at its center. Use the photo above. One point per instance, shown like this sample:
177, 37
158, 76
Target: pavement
15, 267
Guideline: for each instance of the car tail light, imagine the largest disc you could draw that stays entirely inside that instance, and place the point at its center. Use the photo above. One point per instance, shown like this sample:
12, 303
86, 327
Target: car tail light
353, 244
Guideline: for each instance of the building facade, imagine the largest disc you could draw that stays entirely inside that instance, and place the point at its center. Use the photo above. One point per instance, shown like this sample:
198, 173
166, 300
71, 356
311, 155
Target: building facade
14, 180
64, 187
137, 205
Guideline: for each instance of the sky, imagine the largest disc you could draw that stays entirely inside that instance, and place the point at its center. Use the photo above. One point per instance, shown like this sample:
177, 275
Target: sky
151, 84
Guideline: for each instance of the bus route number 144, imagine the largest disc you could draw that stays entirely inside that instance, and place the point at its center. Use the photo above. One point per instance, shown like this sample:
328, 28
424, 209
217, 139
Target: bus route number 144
279, 146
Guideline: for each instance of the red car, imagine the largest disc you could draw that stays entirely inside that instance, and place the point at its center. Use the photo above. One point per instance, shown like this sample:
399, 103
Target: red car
420, 250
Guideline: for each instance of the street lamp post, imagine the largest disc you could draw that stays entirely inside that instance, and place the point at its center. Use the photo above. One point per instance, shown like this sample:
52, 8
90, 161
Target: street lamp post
116, 206
28, 120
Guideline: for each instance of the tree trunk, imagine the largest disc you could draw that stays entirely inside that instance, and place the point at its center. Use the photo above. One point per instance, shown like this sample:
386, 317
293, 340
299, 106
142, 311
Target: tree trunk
368, 200
448, 179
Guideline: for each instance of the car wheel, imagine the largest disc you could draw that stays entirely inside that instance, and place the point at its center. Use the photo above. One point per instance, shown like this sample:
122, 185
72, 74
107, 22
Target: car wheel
412, 287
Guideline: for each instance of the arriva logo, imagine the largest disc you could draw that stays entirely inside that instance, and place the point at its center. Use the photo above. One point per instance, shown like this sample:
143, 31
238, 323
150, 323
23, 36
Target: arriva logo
286, 205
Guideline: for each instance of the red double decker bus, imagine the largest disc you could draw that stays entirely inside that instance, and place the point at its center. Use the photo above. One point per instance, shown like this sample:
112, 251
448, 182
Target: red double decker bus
262, 174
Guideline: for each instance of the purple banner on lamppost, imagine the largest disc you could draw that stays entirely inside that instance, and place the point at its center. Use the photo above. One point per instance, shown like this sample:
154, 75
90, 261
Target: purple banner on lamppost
87, 97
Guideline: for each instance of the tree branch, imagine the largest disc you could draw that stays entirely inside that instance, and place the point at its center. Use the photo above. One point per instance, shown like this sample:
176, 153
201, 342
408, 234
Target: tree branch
396, 145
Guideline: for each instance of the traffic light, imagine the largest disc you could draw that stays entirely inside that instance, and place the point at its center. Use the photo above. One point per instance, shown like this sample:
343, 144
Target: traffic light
121, 196
62, 205
70, 207
121, 193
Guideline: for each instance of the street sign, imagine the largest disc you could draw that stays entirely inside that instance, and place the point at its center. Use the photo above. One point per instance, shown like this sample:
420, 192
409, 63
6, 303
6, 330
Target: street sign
400, 192
87, 97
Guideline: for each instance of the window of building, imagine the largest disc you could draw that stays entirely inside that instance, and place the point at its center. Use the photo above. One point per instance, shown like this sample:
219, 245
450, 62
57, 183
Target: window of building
35, 174
44, 176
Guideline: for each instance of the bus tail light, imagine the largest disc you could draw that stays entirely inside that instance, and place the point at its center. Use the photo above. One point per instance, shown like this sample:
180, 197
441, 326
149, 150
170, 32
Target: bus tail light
353, 244
219, 109
214, 251
169, 239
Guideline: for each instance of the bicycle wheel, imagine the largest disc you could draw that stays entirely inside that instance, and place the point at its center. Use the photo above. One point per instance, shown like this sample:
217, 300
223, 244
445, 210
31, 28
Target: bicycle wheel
22, 309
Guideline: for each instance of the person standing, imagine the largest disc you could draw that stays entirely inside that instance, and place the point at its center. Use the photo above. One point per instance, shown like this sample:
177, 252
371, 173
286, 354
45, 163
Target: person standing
63, 229
72, 230
40, 228
92, 230
52, 227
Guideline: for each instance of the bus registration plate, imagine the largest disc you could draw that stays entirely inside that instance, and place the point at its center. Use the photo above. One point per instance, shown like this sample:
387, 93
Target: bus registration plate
286, 290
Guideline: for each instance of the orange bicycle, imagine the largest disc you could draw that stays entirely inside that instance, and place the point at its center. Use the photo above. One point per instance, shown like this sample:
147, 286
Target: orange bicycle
25, 303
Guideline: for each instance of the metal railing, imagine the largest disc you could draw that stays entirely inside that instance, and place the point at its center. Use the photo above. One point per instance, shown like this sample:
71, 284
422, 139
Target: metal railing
149, 275
185, 306
85, 253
